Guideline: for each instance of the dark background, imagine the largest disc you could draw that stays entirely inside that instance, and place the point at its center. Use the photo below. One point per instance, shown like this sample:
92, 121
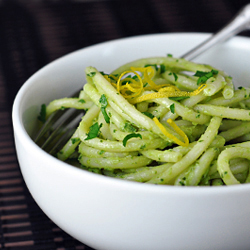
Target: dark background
34, 33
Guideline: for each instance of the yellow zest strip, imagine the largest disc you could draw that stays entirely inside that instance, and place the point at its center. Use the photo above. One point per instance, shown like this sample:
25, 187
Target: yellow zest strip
172, 93
170, 136
179, 131
136, 88
170, 88
133, 87
148, 74
108, 79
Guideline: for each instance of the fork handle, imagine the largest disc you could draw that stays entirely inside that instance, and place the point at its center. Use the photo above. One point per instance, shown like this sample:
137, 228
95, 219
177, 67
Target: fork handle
239, 23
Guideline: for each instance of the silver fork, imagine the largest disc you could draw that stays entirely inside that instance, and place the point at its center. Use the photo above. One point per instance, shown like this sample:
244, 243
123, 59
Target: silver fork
60, 126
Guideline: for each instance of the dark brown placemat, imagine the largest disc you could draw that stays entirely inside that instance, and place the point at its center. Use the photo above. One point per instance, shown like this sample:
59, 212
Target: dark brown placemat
32, 34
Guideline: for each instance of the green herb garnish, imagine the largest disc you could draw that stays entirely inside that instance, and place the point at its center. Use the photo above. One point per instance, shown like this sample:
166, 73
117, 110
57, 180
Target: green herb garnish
152, 65
104, 103
93, 131
148, 114
162, 68
175, 77
204, 76
129, 136
172, 108
91, 74
82, 101
74, 140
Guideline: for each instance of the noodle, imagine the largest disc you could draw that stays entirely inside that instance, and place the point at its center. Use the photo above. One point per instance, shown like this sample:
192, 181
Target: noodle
161, 120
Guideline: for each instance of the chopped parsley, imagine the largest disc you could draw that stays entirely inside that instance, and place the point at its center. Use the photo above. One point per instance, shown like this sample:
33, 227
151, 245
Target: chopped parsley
91, 74
104, 103
82, 101
102, 73
175, 77
93, 131
129, 136
152, 65
172, 108
75, 140
204, 76
148, 114
162, 68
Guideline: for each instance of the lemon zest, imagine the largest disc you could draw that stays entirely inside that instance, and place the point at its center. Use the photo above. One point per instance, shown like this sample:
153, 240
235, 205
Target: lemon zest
170, 136
148, 73
131, 88
179, 131
107, 77
171, 93
170, 88
136, 88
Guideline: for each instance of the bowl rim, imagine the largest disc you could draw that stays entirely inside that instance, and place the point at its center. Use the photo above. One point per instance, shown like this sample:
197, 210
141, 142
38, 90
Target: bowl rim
20, 131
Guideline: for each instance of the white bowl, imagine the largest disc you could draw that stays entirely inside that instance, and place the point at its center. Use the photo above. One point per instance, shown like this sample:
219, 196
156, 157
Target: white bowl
106, 213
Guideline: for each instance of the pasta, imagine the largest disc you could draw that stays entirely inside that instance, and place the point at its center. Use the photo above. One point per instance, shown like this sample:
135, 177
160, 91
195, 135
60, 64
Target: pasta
161, 120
